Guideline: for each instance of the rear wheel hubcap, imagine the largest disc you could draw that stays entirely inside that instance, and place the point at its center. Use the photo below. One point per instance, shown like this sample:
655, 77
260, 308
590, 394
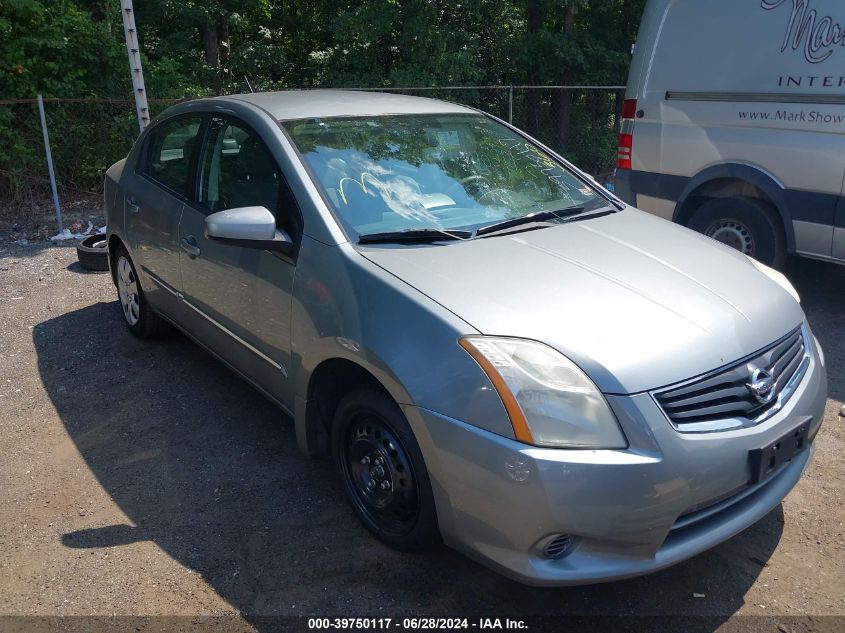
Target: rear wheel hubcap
127, 290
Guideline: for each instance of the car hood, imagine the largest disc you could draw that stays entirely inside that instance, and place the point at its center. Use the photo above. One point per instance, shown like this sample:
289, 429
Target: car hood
636, 301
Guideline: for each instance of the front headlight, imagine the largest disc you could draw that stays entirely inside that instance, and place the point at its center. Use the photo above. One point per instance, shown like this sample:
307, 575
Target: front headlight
777, 277
550, 401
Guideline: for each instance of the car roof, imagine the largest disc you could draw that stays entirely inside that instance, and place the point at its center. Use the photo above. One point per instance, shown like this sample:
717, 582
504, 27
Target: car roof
300, 104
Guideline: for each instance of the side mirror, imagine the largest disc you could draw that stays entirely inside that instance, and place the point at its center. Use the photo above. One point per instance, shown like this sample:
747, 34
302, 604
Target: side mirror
249, 227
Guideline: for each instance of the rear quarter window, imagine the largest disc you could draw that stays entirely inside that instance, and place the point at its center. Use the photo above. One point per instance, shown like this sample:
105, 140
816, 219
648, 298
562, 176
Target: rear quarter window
171, 153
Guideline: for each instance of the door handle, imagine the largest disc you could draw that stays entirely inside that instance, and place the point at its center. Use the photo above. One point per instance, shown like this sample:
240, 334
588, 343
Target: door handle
189, 245
133, 205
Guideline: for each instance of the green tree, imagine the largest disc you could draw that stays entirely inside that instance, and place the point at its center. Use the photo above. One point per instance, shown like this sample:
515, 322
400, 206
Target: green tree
75, 48
58, 50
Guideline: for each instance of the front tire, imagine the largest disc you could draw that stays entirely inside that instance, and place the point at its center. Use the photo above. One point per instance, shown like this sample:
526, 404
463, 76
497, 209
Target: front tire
138, 315
382, 470
747, 224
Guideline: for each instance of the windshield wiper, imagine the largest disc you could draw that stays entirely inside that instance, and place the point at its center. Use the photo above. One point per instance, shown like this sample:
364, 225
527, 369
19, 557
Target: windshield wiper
540, 216
415, 235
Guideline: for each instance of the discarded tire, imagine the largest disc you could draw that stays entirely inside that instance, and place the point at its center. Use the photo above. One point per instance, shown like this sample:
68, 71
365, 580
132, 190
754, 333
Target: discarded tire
93, 253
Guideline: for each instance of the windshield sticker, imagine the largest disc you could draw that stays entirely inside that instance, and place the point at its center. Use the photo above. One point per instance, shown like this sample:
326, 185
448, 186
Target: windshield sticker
448, 138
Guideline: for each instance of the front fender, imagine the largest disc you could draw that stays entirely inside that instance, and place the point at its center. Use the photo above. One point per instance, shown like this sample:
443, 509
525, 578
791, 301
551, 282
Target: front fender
346, 307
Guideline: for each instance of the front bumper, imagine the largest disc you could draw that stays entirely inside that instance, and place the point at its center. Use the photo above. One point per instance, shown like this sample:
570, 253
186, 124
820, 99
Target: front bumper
668, 497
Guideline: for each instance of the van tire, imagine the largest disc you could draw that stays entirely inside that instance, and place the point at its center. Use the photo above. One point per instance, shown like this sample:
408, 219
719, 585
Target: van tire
746, 224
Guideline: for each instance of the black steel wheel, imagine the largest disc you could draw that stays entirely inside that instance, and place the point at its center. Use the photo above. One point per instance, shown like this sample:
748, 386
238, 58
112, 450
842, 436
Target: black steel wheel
381, 474
382, 470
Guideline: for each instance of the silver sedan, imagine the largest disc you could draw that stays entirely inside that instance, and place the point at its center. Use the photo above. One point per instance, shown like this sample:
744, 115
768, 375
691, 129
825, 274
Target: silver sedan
495, 351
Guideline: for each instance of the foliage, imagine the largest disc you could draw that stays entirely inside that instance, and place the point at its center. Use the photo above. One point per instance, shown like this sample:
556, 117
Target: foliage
75, 49
56, 49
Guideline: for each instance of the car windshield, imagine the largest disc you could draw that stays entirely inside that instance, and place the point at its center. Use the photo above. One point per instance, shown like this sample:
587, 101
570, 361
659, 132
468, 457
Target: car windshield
399, 173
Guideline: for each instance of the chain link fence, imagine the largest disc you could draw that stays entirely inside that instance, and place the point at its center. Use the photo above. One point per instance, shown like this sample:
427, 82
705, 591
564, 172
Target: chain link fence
88, 135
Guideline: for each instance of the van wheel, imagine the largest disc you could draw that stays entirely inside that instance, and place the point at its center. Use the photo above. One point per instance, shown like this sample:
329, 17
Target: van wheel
746, 224
383, 472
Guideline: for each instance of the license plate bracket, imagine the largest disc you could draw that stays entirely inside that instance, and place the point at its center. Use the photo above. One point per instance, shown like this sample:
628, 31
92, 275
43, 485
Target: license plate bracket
767, 460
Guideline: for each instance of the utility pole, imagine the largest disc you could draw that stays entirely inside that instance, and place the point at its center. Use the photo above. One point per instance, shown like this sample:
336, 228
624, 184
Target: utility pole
52, 173
134, 51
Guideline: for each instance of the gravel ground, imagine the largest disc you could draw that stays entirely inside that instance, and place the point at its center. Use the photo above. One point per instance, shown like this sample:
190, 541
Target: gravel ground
146, 479
34, 221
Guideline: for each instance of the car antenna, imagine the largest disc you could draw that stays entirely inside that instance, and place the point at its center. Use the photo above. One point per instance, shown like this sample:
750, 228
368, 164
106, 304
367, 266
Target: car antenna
249, 85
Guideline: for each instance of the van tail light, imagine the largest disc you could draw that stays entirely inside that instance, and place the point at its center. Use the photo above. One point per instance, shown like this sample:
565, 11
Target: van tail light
626, 137
626, 147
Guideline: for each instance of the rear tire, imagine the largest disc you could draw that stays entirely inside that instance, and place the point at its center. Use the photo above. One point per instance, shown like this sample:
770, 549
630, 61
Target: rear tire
382, 470
747, 224
138, 315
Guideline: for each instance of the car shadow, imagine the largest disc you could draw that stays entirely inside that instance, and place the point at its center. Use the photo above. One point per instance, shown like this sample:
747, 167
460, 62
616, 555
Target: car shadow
209, 471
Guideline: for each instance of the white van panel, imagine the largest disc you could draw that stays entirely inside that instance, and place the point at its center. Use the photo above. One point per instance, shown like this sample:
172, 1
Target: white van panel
839, 243
743, 46
658, 206
697, 134
812, 239
749, 83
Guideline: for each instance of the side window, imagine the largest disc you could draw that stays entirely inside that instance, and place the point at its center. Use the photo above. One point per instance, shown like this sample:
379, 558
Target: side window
171, 152
238, 170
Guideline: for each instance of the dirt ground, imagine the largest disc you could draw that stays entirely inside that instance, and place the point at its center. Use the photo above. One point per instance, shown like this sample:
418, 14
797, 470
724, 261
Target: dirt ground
34, 220
146, 479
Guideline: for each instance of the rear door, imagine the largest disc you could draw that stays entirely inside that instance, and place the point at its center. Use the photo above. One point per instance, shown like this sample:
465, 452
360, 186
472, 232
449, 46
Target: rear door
239, 299
154, 195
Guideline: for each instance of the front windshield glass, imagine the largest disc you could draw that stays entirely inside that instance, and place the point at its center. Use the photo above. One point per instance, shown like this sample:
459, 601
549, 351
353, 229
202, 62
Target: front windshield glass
396, 173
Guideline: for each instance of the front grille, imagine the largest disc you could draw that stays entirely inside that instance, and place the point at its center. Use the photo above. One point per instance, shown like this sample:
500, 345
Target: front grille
724, 399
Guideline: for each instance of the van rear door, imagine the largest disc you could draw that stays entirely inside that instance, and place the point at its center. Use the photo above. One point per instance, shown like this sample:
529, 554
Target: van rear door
639, 115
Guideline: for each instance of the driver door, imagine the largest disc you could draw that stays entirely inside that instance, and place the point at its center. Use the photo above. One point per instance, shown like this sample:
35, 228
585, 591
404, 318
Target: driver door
239, 298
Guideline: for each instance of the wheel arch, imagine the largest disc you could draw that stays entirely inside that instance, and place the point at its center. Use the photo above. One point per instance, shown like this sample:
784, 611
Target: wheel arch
114, 243
736, 179
322, 389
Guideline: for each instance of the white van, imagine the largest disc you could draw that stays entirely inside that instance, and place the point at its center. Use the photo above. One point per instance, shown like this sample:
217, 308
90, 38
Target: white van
734, 123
